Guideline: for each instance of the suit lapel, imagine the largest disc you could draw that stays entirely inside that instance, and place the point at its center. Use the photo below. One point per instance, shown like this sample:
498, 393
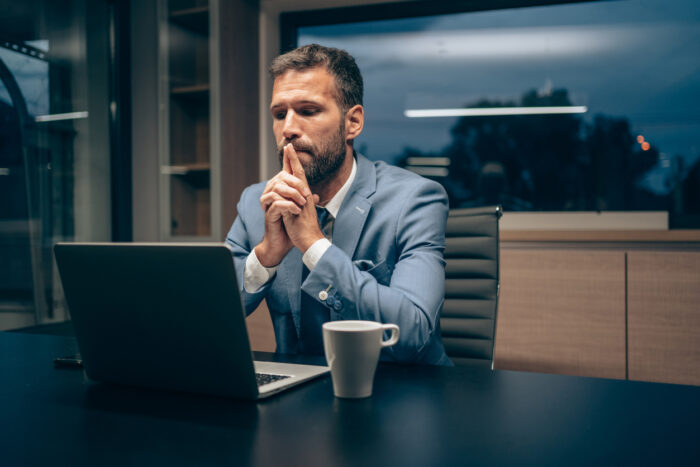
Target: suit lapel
355, 208
350, 222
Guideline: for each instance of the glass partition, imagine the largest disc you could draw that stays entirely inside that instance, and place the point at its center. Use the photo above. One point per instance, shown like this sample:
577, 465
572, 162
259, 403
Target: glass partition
54, 148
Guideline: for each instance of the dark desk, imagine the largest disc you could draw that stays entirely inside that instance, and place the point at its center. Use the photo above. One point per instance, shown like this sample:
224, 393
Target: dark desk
418, 416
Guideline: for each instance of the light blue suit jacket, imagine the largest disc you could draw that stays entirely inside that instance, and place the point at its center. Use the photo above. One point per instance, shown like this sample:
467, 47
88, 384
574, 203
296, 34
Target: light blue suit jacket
385, 264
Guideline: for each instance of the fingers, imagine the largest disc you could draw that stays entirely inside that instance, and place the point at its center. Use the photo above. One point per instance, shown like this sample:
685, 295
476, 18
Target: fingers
293, 159
286, 166
281, 190
289, 185
288, 179
282, 180
281, 208
267, 199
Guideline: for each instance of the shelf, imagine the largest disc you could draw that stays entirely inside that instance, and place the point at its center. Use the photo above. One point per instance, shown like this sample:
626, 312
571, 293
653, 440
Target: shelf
195, 174
189, 90
185, 169
195, 94
194, 19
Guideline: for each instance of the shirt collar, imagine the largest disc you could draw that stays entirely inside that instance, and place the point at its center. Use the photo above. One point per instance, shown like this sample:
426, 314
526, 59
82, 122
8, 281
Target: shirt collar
333, 206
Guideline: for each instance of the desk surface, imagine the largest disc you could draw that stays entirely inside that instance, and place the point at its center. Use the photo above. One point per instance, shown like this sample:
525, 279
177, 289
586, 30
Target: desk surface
418, 416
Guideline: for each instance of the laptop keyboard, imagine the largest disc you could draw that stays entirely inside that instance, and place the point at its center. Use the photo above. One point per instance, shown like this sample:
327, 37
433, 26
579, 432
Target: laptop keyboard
266, 378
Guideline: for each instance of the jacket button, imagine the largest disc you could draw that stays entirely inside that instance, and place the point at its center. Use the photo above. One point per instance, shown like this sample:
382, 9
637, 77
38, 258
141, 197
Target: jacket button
338, 305
323, 295
330, 301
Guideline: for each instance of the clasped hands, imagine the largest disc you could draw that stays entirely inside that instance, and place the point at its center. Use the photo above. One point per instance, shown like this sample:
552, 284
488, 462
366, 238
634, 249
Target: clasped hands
290, 212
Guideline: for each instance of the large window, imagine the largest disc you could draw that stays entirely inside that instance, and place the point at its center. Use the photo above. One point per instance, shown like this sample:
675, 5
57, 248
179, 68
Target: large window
573, 107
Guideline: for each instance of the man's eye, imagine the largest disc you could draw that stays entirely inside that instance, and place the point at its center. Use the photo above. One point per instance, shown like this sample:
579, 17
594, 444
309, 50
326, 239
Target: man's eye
279, 115
308, 112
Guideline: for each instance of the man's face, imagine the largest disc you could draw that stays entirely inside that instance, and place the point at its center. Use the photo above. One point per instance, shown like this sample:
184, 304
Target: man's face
306, 114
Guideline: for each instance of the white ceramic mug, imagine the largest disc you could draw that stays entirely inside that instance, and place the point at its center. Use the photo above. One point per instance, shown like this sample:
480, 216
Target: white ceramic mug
352, 351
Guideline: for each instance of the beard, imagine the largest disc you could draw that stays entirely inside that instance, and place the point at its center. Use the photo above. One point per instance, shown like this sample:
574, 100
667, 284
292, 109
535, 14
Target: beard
326, 157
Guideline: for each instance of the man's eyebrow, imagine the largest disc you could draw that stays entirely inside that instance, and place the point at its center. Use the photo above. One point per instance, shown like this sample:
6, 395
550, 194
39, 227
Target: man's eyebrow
274, 106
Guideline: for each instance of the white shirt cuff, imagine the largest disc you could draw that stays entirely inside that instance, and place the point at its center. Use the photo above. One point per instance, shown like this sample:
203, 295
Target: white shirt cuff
314, 253
255, 274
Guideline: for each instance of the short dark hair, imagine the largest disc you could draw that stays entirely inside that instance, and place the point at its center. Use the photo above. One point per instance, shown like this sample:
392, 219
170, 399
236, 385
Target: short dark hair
340, 64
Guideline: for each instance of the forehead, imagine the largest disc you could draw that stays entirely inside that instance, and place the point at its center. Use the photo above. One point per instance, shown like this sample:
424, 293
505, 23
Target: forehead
310, 84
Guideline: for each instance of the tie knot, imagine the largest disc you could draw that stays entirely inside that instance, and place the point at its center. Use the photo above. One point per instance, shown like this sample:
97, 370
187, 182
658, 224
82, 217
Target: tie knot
322, 214
325, 221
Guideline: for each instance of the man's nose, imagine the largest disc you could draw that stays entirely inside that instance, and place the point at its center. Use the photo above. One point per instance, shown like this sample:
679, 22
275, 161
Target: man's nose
290, 127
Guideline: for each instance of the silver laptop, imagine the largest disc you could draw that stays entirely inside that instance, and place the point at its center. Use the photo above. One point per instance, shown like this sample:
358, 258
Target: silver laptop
166, 316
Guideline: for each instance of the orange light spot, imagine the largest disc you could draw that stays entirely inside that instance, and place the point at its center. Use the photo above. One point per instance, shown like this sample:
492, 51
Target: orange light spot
640, 139
645, 146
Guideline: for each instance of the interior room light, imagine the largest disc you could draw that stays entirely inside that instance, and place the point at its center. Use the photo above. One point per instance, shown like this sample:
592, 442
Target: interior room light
429, 171
645, 146
494, 111
429, 161
59, 117
640, 139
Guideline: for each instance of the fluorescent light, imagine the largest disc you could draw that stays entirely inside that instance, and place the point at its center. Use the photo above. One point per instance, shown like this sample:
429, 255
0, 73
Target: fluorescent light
429, 171
57, 117
429, 161
495, 111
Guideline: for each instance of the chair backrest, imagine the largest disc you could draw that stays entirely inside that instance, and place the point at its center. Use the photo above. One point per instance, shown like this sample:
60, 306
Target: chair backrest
468, 320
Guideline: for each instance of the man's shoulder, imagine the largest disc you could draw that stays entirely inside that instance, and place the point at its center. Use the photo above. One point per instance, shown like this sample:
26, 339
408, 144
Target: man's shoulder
398, 180
249, 202
252, 193
255, 189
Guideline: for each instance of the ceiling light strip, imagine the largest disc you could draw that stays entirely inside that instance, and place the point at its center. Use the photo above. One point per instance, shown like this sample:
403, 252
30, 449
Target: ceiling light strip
494, 111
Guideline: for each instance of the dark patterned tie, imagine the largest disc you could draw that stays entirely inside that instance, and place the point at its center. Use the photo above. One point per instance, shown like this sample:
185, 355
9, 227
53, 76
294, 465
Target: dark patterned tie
313, 314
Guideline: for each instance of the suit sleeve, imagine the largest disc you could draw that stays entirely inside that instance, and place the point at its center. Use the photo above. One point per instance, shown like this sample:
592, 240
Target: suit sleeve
239, 239
415, 294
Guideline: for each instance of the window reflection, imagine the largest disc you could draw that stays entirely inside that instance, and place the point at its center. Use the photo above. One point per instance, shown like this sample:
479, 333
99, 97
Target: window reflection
632, 65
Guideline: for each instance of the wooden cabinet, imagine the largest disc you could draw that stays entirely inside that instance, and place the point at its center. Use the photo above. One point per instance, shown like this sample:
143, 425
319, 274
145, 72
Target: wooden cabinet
664, 316
562, 311
619, 312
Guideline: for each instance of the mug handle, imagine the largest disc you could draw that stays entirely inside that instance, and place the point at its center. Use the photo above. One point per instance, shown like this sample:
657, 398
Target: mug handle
394, 334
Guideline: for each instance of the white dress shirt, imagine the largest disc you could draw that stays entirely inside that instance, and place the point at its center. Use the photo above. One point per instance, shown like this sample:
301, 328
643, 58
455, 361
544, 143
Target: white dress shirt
256, 275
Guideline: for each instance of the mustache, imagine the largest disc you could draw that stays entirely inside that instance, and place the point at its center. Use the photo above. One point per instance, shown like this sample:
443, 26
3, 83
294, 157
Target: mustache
298, 146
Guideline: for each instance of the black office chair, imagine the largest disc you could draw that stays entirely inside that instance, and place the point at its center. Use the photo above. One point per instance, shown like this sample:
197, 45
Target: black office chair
468, 319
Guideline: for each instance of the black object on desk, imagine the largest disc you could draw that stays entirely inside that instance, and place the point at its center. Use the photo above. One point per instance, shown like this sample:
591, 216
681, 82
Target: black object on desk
70, 361
418, 416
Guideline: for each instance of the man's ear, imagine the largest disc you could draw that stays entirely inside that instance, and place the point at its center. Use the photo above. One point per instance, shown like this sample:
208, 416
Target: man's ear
354, 122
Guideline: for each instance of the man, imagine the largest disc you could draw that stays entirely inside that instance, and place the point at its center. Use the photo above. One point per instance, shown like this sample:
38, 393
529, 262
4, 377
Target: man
377, 254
